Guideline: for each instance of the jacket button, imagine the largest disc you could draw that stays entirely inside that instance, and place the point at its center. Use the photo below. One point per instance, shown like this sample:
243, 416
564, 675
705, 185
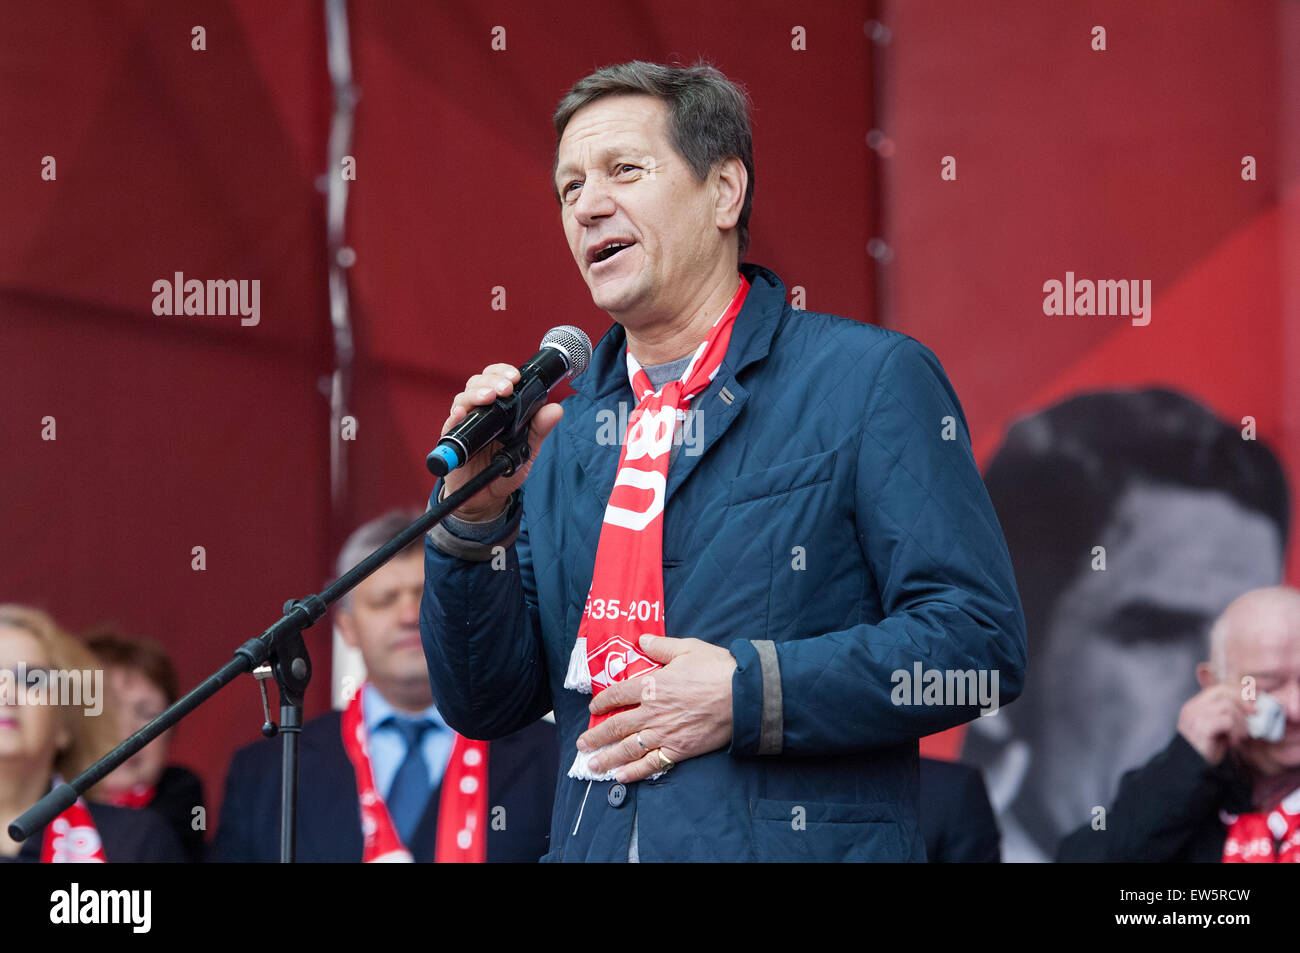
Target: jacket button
616, 795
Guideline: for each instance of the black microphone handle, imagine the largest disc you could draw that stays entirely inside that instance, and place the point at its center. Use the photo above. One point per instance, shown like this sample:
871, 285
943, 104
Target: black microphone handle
505, 415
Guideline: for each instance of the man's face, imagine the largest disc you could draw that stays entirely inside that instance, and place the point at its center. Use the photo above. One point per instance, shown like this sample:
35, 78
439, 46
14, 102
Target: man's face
136, 702
1123, 643
1266, 646
620, 180
383, 622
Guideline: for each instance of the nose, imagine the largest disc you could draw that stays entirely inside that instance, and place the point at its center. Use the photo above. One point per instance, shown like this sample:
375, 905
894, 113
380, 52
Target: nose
594, 201
410, 608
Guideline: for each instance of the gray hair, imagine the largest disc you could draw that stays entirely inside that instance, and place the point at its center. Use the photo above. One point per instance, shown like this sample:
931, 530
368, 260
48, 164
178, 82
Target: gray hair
708, 117
370, 536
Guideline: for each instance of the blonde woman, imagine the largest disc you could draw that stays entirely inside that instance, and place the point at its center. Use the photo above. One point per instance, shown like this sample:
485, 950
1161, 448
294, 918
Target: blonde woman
46, 732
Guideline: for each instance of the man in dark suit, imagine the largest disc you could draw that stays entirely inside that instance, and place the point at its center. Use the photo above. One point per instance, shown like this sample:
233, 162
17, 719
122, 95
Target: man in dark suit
749, 691
407, 754
956, 817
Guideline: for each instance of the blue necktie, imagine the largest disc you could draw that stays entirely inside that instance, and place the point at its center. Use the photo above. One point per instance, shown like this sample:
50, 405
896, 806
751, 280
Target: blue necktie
410, 790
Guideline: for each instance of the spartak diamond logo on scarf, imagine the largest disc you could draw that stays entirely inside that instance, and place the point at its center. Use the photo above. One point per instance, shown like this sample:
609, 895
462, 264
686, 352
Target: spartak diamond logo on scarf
626, 598
621, 661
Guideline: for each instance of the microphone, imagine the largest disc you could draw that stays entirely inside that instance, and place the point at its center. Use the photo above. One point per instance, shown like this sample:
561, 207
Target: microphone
565, 353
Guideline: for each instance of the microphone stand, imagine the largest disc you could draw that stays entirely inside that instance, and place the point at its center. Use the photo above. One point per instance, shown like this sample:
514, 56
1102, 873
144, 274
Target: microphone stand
282, 647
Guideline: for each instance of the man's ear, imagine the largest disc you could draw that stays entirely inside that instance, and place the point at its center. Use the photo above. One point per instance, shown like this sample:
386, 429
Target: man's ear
1205, 675
732, 181
346, 625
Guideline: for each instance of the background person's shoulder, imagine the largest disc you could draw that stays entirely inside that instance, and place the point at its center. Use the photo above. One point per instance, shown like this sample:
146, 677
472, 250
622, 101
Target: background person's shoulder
323, 731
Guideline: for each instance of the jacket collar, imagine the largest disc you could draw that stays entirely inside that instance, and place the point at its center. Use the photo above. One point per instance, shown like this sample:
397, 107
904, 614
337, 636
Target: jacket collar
751, 338
718, 406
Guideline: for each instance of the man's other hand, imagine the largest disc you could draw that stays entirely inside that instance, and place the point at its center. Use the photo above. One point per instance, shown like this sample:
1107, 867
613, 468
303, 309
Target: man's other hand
683, 708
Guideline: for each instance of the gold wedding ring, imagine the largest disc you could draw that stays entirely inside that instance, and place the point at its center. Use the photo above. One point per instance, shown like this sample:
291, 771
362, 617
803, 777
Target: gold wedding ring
640, 742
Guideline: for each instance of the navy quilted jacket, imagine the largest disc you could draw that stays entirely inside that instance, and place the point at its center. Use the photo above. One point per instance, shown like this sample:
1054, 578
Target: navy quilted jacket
832, 533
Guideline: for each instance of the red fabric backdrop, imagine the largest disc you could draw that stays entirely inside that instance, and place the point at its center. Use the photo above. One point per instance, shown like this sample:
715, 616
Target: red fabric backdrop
175, 432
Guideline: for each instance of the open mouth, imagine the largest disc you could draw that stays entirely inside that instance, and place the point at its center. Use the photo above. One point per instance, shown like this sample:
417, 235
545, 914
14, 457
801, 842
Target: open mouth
606, 252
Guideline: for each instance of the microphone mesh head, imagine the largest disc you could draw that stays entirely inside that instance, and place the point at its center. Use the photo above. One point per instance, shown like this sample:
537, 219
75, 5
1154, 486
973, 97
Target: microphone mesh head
573, 343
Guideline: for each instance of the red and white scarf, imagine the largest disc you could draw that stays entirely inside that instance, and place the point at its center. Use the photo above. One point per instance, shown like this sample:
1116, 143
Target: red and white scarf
1264, 837
462, 805
626, 598
72, 838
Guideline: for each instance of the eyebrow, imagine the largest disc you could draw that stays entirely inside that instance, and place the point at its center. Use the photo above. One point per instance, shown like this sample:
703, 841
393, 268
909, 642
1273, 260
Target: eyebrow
1147, 622
603, 156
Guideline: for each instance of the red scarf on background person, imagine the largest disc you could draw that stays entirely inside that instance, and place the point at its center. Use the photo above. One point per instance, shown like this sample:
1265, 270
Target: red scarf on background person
72, 838
626, 598
1264, 837
462, 805
140, 795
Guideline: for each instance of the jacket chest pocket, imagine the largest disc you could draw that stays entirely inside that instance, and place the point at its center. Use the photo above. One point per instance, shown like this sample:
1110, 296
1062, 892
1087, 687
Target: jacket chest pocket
796, 520
782, 479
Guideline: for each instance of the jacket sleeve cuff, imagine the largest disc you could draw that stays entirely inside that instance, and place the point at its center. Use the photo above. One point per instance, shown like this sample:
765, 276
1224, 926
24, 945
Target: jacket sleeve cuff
474, 542
757, 719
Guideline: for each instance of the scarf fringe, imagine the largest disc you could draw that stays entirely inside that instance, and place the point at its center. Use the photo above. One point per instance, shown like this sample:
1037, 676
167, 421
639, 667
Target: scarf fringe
580, 770
578, 677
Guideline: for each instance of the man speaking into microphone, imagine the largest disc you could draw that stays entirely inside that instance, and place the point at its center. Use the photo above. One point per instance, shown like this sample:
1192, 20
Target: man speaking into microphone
721, 624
